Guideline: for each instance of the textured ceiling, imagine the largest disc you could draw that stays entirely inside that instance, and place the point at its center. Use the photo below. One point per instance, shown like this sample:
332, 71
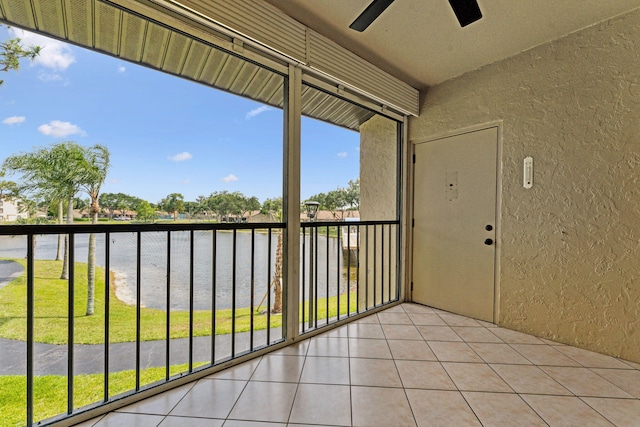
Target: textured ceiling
420, 41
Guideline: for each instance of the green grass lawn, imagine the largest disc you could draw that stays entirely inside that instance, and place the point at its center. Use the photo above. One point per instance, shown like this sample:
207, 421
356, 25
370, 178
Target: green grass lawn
50, 392
51, 310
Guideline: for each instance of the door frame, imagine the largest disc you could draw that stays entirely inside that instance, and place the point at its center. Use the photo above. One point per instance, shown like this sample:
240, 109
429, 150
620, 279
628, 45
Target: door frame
498, 236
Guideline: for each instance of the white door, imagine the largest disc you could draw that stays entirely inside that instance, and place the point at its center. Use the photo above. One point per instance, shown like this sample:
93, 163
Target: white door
455, 223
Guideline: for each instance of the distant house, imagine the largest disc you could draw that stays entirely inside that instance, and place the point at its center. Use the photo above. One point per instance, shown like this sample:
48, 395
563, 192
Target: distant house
10, 209
338, 215
257, 216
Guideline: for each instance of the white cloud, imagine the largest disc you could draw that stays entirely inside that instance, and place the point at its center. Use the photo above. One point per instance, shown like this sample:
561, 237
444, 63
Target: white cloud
114, 181
54, 54
343, 154
230, 178
59, 129
45, 77
251, 114
181, 157
121, 69
185, 182
15, 120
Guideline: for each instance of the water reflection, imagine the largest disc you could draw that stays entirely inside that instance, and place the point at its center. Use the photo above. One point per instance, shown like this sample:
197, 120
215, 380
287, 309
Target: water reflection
153, 265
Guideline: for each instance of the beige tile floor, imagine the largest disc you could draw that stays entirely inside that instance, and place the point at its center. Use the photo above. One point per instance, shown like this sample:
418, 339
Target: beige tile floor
409, 365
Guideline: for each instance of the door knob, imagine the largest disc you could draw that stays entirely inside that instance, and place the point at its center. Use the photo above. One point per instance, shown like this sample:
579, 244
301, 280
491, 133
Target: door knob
488, 242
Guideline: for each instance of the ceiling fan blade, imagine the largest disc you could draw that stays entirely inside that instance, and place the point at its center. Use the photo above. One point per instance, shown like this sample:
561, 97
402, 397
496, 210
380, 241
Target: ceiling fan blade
467, 11
370, 14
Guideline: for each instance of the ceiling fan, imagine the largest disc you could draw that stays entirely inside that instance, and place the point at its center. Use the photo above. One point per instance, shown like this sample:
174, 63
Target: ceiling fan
467, 12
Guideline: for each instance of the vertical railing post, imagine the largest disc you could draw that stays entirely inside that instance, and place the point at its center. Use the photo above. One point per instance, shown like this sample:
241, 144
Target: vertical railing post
359, 257
214, 255
390, 258
233, 293
253, 288
138, 304
382, 260
30, 329
70, 330
348, 271
338, 258
314, 297
375, 264
167, 355
366, 269
312, 282
191, 294
269, 243
304, 278
107, 302
327, 262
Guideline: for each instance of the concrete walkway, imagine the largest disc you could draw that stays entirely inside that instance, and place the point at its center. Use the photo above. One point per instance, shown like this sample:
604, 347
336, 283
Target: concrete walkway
9, 270
51, 359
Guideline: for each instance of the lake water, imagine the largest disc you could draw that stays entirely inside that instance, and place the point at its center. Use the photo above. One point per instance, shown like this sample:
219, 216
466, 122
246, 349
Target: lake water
153, 271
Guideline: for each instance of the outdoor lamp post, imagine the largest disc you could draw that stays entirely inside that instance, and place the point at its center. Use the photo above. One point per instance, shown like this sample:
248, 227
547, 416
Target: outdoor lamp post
312, 209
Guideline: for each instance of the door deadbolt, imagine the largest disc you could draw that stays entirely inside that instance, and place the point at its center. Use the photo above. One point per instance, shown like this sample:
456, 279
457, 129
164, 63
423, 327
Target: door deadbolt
489, 227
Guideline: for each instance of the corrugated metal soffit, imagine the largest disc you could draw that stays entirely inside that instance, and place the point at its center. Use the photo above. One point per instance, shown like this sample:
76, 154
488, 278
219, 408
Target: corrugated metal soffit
345, 66
267, 26
257, 21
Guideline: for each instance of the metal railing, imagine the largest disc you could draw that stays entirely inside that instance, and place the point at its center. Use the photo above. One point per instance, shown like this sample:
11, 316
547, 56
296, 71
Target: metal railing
201, 269
347, 268
197, 295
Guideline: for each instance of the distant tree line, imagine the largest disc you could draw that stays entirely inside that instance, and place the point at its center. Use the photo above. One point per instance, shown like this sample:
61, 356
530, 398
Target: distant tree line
225, 206
340, 199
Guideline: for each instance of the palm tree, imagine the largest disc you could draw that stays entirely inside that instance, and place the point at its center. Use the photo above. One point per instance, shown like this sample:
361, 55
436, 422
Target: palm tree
91, 173
58, 173
173, 203
274, 208
11, 51
47, 173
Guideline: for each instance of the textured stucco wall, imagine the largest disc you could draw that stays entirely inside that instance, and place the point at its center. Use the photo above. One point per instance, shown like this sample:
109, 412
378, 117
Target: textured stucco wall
378, 169
570, 246
378, 201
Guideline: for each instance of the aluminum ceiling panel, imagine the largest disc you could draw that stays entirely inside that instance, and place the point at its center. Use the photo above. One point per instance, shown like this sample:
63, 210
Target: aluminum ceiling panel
79, 15
271, 91
132, 37
177, 53
256, 20
155, 46
229, 72
243, 78
326, 56
196, 59
49, 15
106, 27
19, 12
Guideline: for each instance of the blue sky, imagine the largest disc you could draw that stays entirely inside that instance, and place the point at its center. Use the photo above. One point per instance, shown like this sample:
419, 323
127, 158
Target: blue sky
165, 134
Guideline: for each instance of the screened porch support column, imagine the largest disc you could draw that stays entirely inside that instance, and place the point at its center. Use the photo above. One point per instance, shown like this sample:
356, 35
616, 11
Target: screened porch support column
291, 203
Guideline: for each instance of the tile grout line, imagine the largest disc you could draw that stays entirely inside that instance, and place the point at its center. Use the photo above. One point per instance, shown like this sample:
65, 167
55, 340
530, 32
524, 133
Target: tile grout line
295, 394
513, 391
404, 389
243, 389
